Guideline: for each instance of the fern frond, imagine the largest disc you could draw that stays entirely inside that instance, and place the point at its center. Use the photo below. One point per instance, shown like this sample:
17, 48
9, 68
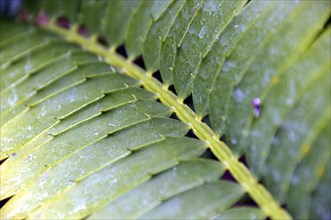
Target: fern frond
65, 113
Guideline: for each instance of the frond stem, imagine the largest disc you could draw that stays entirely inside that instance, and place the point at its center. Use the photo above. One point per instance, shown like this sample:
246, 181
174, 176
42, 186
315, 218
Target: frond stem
238, 170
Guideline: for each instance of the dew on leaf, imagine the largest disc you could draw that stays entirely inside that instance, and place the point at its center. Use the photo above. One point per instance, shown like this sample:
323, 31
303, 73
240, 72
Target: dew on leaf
30, 157
12, 101
95, 133
110, 124
228, 65
234, 141
28, 65
252, 216
238, 95
204, 30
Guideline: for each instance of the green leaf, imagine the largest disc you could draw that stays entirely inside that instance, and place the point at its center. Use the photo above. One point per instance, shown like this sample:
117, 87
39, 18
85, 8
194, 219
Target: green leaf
173, 39
140, 21
119, 11
86, 133
294, 138
313, 167
201, 33
10, 33
319, 206
157, 33
88, 10
241, 213
213, 199
282, 96
212, 62
49, 112
32, 40
151, 194
122, 176
239, 58
261, 77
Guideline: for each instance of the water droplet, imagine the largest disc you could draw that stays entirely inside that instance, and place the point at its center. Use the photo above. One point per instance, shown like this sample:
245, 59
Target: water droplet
191, 30
6, 140
228, 65
29, 128
204, 30
295, 180
210, 6
28, 67
244, 132
238, 95
110, 124
112, 69
275, 141
3, 66
95, 133
12, 101
276, 175
58, 107
43, 111
252, 216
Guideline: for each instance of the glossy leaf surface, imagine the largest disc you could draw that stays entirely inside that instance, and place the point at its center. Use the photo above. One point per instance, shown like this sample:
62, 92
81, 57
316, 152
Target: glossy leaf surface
83, 139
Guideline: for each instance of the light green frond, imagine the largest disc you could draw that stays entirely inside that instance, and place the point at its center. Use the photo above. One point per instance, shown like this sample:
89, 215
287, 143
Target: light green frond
87, 133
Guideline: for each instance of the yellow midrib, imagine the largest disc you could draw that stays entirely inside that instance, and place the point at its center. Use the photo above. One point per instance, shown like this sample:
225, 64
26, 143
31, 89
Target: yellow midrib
238, 170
